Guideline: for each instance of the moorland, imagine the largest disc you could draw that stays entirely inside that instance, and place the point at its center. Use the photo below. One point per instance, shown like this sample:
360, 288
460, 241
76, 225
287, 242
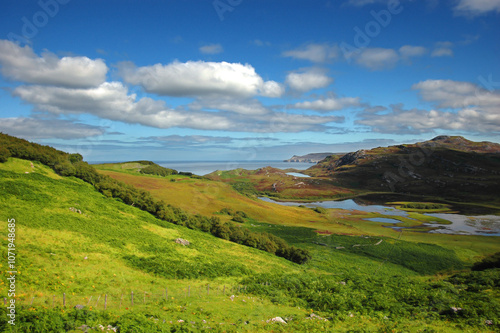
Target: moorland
136, 247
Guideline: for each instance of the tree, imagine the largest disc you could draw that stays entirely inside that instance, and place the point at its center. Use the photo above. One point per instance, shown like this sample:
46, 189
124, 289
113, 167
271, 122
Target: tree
4, 154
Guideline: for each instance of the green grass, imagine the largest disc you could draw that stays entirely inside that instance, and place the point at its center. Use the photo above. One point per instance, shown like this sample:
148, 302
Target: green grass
114, 249
98, 252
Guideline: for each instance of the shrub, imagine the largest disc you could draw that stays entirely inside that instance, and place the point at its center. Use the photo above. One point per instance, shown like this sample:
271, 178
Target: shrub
157, 170
238, 218
4, 154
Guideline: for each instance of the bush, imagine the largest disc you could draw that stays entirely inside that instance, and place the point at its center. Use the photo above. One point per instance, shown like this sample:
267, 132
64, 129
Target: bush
238, 218
492, 261
4, 154
320, 210
157, 170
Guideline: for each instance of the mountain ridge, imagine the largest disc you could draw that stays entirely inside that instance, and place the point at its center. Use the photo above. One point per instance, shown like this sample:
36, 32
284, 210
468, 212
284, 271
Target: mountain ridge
445, 166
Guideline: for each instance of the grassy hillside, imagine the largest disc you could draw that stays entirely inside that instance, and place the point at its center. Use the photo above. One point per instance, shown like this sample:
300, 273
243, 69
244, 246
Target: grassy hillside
83, 244
76, 241
207, 197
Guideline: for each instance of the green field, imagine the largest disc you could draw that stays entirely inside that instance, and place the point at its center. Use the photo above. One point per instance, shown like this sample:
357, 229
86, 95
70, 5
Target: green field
89, 247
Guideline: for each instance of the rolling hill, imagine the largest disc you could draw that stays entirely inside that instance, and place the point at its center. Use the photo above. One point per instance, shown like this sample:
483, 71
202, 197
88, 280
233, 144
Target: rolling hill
452, 168
84, 240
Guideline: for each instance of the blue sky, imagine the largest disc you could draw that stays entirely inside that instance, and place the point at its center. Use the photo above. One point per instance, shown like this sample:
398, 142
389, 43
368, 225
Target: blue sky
247, 80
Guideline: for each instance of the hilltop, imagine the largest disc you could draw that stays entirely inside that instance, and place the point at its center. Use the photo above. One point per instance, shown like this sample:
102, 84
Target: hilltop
453, 168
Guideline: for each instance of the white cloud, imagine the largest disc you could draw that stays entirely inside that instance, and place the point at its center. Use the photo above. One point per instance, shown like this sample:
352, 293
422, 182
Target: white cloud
477, 7
111, 101
408, 51
272, 89
311, 78
318, 53
199, 78
240, 106
328, 104
211, 49
460, 106
22, 64
32, 128
400, 121
443, 49
456, 94
377, 58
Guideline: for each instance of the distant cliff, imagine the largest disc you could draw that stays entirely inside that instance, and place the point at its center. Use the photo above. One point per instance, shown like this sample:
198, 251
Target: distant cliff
309, 158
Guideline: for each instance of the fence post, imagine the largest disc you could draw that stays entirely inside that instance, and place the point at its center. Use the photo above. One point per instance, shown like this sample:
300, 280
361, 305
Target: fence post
166, 293
105, 301
5, 301
64, 300
208, 289
132, 298
32, 300
121, 299
189, 291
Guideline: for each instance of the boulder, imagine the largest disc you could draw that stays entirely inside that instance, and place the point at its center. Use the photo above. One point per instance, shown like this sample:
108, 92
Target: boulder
182, 241
276, 320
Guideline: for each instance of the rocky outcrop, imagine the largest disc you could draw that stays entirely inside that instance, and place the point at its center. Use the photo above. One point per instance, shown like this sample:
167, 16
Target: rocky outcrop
350, 158
182, 241
276, 320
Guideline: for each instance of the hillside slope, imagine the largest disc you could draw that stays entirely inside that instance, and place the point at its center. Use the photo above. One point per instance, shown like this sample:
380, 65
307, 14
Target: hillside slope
87, 244
73, 240
449, 167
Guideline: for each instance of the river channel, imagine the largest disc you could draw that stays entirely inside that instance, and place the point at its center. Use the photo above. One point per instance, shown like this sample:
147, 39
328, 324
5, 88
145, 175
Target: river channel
480, 224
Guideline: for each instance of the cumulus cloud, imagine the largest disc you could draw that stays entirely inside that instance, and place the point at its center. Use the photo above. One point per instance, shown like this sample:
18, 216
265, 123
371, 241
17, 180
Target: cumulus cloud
200, 78
377, 58
33, 128
401, 121
318, 53
459, 106
211, 49
111, 101
305, 80
22, 64
328, 104
241, 106
477, 7
457, 94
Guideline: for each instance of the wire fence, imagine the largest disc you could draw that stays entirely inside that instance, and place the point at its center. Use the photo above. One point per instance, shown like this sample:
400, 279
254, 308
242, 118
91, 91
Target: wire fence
125, 300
